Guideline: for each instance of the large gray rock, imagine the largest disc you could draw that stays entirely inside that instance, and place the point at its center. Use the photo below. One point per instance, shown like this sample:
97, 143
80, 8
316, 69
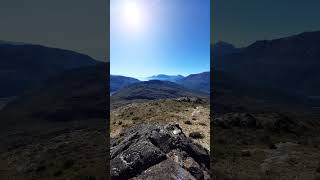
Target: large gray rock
147, 151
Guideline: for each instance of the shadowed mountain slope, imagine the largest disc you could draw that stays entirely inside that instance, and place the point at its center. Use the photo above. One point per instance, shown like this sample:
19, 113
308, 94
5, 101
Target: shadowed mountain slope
118, 82
76, 94
223, 48
23, 66
289, 64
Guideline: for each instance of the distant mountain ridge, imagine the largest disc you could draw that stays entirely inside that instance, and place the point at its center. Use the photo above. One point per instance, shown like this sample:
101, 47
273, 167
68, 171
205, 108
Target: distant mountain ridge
23, 66
195, 82
199, 82
164, 77
118, 82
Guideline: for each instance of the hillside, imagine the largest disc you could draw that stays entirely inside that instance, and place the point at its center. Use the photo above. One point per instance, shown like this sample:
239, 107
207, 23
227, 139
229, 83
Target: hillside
119, 82
78, 93
151, 90
198, 82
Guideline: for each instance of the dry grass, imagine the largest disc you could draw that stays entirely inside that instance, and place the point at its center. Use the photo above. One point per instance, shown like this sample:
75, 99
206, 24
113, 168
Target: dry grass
164, 111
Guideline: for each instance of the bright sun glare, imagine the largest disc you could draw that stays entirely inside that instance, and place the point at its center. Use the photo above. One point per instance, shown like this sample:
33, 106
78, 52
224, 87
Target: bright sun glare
133, 15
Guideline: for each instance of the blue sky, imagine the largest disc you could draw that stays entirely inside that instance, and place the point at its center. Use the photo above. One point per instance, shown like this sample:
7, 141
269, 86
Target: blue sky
149, 37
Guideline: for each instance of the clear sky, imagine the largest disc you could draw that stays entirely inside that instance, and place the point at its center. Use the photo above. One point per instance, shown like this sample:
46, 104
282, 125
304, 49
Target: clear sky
78, 25
149, 37
242, 22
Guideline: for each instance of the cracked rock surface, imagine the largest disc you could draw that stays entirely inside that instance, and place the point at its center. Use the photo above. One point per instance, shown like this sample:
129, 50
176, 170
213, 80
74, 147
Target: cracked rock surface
148, 151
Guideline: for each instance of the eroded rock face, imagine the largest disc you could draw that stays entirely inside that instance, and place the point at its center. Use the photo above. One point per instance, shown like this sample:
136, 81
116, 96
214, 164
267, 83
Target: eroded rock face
154, 151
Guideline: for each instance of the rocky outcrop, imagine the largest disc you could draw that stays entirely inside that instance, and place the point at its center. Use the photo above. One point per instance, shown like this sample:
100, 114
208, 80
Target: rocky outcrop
189, 99
157, 152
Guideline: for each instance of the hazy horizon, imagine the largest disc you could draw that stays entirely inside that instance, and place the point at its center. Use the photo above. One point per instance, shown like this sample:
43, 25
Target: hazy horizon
149, 37
143, 78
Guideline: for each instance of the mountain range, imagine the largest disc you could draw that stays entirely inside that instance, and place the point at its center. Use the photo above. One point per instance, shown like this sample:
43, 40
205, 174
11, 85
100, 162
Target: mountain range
194, 82
57, 115
288, 65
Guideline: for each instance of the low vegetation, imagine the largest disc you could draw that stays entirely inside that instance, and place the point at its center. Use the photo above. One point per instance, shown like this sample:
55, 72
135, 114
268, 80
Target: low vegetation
164, 111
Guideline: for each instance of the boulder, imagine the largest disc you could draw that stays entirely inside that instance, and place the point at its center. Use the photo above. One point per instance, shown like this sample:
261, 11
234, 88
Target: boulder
153, 151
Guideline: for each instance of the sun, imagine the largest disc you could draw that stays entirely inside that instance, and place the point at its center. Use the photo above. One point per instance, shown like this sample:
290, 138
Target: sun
133, 15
